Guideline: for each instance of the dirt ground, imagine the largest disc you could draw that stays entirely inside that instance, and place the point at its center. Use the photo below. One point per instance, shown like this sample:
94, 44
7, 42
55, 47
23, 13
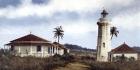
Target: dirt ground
74, 66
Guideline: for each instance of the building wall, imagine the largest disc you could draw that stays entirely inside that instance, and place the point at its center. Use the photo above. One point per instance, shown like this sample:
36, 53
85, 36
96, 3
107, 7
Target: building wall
46, 51
61, 51
104, 41
128, 55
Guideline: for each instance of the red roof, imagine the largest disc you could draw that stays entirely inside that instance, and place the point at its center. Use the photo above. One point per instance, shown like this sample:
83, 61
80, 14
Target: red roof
33, 40
124, 48
30, 38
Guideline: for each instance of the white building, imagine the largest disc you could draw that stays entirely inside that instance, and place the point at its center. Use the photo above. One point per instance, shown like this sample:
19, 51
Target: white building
31, 45
123, 50
104, 38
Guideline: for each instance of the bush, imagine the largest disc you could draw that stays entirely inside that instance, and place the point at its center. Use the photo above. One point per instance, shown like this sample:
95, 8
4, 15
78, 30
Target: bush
67, 57
135, 65
87, 58
33, 63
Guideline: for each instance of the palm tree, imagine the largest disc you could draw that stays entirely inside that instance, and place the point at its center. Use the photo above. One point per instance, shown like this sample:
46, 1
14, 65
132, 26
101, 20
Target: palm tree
58, 33
114, 31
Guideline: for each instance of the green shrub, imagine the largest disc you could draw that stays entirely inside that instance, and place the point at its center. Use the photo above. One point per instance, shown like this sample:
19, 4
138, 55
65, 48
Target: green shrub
67, 57
87, 58
33, 63
130, 65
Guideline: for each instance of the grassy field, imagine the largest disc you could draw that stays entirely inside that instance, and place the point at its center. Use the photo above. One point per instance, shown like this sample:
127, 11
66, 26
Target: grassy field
64, 62
33, 63
133, 65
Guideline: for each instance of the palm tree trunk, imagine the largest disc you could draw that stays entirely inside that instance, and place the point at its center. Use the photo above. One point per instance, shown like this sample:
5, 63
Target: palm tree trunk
58, 38
111, 36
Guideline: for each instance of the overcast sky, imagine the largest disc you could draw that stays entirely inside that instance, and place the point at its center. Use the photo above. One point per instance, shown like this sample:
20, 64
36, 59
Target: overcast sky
77, 17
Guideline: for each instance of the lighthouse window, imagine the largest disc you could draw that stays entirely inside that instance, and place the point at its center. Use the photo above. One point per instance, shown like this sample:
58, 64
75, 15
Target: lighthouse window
103, 44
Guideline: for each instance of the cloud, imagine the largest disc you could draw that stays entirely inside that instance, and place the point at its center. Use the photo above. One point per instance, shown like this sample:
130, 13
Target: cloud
128, 21
28, 8
78, 18
6, 3
40, 1
80, 27
117, 3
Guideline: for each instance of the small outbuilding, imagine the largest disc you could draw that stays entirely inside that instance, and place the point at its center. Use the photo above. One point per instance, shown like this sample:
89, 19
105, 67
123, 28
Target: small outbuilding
124, 52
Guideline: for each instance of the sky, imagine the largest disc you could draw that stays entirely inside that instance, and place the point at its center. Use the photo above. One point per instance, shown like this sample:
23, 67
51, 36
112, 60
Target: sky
77, 17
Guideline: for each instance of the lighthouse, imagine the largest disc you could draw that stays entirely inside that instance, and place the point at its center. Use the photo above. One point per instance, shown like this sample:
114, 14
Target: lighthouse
104, 38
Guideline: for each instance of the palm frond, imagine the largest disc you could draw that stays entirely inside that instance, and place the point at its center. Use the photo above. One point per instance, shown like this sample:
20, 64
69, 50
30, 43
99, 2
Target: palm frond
114, 31
58, 33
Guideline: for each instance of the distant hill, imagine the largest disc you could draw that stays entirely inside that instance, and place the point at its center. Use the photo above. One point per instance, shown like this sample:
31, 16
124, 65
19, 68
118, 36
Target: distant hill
80, 51
77, 47
137, 48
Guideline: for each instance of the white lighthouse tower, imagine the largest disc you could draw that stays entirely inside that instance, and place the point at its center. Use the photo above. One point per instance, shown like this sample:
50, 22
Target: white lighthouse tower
104, 38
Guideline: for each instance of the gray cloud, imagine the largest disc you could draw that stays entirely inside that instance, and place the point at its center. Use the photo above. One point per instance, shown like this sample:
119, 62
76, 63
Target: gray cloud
28, 21
40, 1
40, 24
65, 16
35, 20
133, 7
5, 3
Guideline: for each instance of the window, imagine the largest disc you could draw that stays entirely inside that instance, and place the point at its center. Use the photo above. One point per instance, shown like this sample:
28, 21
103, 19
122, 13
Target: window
53, 49
49, 49
103, 44
102, 56
38, 48
12, 48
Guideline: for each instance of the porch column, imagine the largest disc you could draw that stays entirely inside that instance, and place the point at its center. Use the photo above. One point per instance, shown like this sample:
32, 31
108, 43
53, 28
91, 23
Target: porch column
19, 49
19, 53
42, 51
58, 50
55, 50
31, 50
